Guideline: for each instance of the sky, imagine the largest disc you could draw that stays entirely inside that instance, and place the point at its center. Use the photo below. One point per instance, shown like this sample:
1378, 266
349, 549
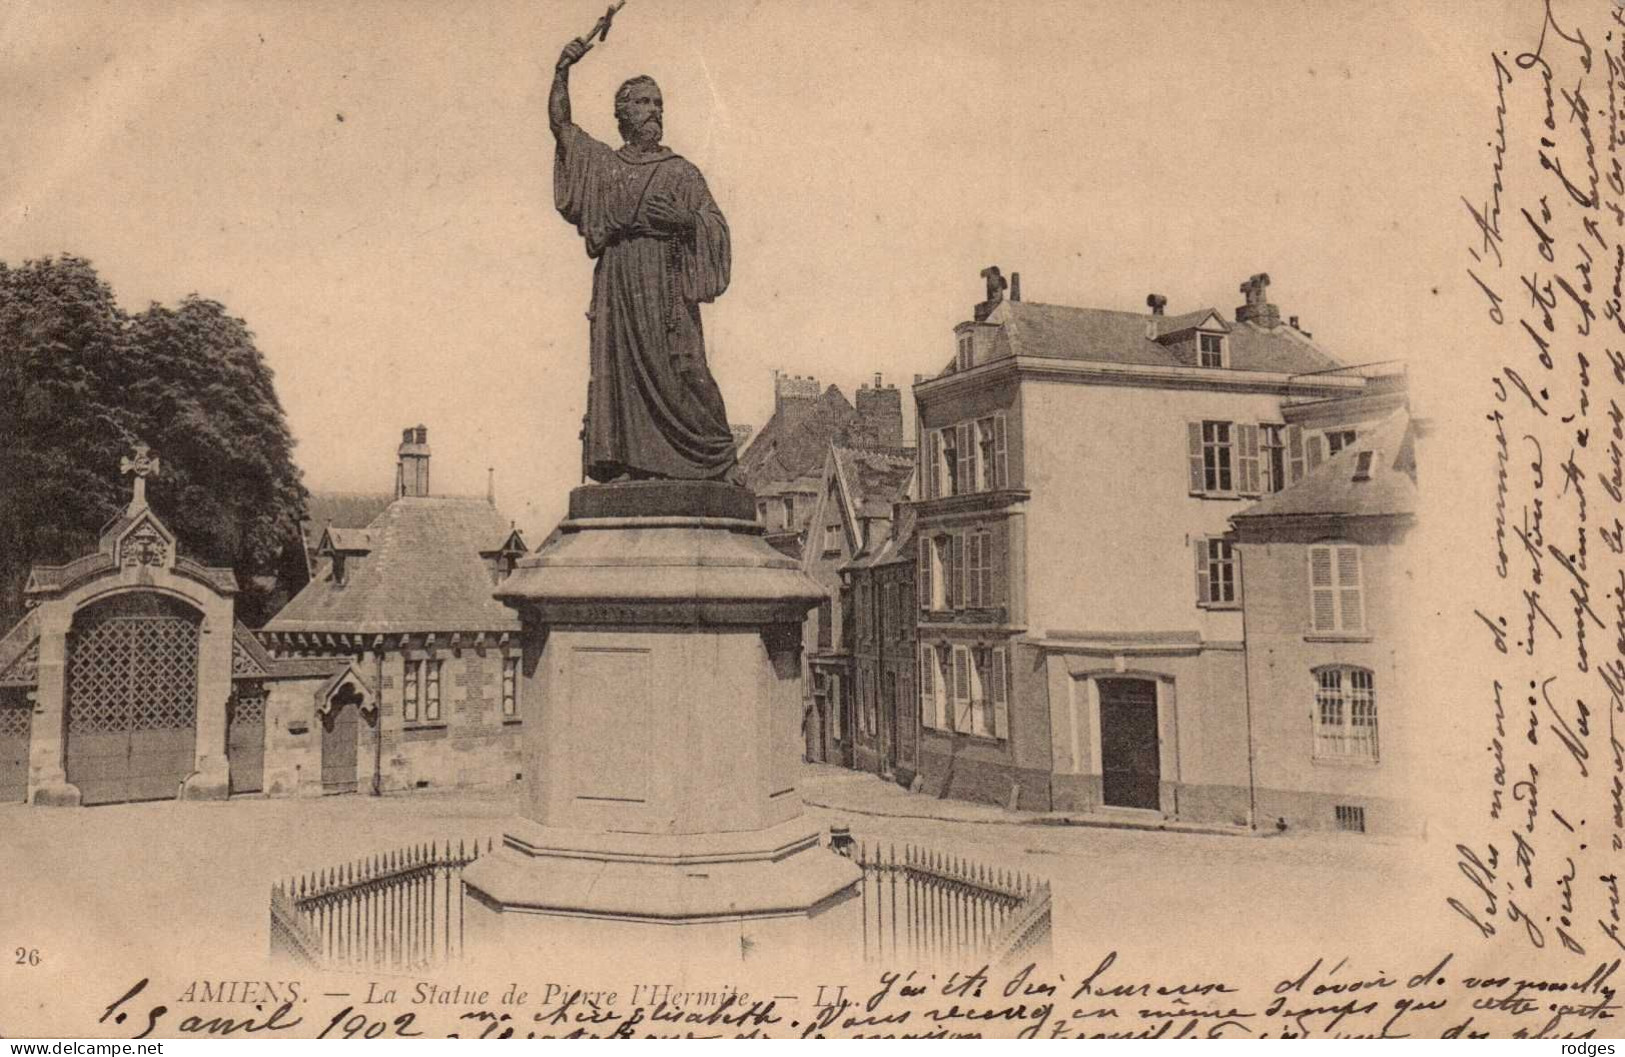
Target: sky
368, 185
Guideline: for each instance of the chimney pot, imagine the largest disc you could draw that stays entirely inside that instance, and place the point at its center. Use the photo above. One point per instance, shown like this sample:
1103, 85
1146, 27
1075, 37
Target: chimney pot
1157, 303
1015, 286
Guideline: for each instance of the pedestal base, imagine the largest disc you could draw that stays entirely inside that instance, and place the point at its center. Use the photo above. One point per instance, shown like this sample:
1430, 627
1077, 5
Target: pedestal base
662, 900
211, 781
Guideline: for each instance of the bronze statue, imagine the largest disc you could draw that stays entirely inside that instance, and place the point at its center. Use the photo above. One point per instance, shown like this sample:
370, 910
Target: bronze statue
661, 243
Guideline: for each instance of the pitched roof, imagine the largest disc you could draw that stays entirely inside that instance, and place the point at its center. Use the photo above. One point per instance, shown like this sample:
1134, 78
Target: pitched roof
1099, 335
793, 441
352, 510
872, 479
1337, 487
424, 573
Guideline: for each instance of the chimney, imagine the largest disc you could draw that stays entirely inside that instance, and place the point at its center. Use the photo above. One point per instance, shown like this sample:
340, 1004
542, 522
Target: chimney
491, 485
412, 465
1257, 309
880, 415
1157, 303
1015, 286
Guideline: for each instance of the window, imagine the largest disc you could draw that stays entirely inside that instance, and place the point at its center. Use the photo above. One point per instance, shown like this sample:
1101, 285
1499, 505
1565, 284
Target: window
789, 511
1216, 457
933, 689
1210, 350
993, 454
979, 573
1272, 458
1337, 440
1345, 714
1362, 465
1335, 592
967, 353
411, 689
1241, 458
1218, 573
949, 442
966, 476
510, 687
431, 691
832, 539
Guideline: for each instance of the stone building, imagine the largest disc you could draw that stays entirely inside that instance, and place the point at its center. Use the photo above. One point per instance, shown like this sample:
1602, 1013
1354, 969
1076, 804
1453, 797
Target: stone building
1327, 574
878, 597
408, 598
130, 679
782, 465
857, 491
1080, 630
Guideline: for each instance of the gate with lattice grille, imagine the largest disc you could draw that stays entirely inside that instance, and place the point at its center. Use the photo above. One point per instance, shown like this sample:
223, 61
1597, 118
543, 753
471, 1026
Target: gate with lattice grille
132, 700
245, 737
16, 718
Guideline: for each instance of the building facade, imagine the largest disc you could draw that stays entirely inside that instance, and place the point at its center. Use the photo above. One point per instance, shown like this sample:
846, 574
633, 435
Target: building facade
878, 596
1081, 639
1327, 572
408, 600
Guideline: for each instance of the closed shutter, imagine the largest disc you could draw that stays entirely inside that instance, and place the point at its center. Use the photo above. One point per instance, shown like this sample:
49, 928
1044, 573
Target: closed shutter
933, 477
956, 572
944, 691
1348, 589
928, 687
985, 586
1235, 568
967, 459
1193, 436
1001, 696
925, 573
1001, 459
1247, 437
962, 717
835, 706
1202, 593
1294, 454
1322, 590
1316, 445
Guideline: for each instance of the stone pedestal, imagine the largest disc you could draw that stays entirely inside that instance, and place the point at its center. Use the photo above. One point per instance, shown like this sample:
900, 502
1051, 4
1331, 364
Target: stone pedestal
662, 672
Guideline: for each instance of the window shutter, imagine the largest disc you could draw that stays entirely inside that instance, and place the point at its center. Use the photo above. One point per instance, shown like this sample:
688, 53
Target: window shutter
985, 588
1248, 437
928, 709
967, 459
1200, 546
924, 574
1235, 569
1294, 454
961, 703
1001, 703
944, 687
1001, 459
956, 571
1322, 592
1193, 434
933, 476
835, 706
1316, 447
1348, 584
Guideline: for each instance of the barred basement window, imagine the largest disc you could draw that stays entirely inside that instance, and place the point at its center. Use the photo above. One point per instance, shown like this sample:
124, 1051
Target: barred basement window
410, 689
1345, 714
1350, 818
510, 686
431, 691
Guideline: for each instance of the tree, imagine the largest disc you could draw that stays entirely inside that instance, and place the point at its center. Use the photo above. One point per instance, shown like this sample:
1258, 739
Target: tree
80, 381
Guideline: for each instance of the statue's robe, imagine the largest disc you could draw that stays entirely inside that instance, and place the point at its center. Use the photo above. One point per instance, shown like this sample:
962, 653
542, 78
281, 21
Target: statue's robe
653, 408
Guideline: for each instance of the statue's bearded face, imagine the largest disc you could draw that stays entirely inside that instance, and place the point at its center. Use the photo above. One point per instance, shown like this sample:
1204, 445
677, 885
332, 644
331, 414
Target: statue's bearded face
641, 112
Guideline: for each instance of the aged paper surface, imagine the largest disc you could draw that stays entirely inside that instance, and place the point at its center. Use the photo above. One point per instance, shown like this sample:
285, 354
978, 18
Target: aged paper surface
368, 186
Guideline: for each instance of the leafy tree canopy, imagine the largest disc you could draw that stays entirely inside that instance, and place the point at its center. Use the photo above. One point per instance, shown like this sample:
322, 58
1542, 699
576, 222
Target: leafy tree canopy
81, 381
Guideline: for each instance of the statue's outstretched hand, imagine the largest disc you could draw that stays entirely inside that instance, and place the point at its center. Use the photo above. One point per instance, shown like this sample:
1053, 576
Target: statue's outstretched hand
572, 53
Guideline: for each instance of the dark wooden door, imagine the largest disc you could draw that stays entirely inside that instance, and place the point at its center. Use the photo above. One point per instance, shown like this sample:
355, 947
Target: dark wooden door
16, 717
1131, 769
132, 701
338, 748
245, 738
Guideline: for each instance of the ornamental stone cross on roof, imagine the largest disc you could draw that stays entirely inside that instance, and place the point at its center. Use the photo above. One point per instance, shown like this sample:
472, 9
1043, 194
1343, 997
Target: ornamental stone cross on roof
143, 465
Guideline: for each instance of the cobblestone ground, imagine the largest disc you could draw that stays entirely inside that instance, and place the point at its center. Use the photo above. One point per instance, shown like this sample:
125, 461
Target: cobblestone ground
161, 882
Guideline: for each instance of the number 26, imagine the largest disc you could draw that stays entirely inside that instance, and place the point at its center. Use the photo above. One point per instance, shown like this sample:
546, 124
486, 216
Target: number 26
28, 956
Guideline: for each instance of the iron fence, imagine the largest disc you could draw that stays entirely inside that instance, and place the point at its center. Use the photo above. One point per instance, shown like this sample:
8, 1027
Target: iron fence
402, 910
925, 906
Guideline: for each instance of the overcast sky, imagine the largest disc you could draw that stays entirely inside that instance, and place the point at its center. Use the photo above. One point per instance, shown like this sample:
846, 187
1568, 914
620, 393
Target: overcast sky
367, 183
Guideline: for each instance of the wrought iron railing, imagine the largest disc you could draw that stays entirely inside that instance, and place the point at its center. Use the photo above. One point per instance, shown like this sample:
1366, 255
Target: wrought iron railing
925, 906
402, 910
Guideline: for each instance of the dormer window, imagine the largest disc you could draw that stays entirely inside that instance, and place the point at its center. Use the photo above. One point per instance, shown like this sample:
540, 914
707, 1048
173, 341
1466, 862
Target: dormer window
1210, 350
967, 354
338, 570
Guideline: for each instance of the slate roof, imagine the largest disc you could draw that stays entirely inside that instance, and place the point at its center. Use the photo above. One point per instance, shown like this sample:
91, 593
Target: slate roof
424, 573
872, 479
1099, 335
793, 442
1333, 490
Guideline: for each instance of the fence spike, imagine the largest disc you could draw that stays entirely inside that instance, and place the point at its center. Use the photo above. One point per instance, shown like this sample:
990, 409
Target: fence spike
459, 847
